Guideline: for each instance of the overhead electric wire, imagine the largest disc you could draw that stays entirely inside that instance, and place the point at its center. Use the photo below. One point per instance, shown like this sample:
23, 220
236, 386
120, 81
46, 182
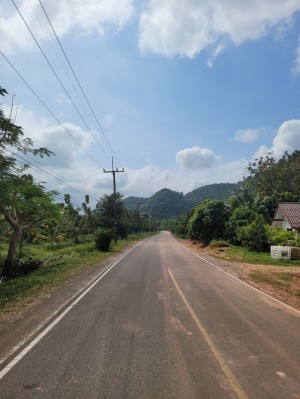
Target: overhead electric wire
57, 77
25, 163
53, 175
77, 80
48, 109
47, 35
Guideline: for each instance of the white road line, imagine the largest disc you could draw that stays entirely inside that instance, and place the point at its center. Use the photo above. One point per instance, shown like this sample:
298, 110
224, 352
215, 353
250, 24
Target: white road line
20, 356
236, 278
241, 394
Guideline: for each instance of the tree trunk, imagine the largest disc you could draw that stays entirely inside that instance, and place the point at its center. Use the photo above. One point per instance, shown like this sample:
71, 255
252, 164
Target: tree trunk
13, 248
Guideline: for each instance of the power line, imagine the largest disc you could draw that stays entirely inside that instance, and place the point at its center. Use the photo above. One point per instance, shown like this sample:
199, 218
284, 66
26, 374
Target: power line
47, 35
57, 77
53, 175
75, 76
43, 173
48, 109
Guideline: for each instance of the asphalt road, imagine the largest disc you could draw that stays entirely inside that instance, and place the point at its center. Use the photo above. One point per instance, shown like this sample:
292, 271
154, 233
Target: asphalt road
162, 323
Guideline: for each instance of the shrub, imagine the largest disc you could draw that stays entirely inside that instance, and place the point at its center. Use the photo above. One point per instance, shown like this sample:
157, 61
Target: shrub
103, 238
241, 217
208, 221
280, 237
255, 235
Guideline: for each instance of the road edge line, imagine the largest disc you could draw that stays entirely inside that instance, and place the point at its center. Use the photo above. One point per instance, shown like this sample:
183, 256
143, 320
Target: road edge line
236, 278
57, 317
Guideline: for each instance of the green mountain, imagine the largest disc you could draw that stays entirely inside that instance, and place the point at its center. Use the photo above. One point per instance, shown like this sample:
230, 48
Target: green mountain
168, 204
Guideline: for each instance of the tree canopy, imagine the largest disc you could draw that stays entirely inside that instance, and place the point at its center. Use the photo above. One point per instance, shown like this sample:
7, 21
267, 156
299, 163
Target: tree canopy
23, 202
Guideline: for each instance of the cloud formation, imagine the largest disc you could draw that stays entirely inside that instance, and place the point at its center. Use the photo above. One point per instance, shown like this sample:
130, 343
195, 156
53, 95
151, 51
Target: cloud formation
68, 141
247, 135
90, 16
286, 139
187, 27
296, 67
196, 158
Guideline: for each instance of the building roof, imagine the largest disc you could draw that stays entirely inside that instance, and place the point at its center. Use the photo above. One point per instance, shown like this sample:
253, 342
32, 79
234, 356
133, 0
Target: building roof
291, 211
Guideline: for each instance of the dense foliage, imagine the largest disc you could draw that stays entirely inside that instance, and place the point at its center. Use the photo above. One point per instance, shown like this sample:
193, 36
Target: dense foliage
208, 221
244, 219
103, 238
23, 202
168, 204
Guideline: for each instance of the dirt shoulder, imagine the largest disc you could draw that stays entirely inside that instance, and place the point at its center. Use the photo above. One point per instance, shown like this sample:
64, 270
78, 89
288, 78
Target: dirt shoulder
280, 282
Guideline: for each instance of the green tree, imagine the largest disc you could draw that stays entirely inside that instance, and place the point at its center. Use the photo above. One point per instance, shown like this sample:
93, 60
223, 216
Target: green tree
240, 217
72, 219
270, 178
255, 235
111, 214
23, 204
208, 221
87, 219
22, 201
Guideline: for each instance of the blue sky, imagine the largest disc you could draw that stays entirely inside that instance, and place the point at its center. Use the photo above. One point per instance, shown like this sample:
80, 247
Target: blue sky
186, 92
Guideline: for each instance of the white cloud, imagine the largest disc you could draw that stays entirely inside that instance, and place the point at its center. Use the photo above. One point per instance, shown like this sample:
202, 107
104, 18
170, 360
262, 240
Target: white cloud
196, 158
187, 27
286, 139
145, 181
72, 165
67, 141
247, 135
90, 16
296, 67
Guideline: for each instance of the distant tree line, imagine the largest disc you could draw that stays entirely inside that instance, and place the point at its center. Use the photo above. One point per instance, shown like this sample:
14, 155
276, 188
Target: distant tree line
29, 212
244, 219
169, 204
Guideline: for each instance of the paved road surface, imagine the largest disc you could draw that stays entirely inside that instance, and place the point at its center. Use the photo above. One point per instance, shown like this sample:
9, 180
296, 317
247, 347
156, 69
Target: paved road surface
163, 323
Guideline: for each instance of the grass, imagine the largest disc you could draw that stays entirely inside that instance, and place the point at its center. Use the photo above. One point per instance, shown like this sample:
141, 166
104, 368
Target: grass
68, 262
240, 254
279, 280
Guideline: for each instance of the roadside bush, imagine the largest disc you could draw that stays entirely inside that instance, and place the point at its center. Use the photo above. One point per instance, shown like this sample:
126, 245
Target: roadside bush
207, 221
255, 235
297, 241
280, 237
241, 217
103, 238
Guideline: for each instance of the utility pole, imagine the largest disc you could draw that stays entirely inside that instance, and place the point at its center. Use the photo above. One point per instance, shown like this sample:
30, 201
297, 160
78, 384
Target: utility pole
114, 171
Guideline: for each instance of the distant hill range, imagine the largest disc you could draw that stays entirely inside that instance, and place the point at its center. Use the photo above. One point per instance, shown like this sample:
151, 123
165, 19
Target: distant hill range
168, 204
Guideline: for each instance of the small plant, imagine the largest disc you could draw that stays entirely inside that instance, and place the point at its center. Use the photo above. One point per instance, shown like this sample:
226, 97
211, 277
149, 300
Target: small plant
103, 238
219, 244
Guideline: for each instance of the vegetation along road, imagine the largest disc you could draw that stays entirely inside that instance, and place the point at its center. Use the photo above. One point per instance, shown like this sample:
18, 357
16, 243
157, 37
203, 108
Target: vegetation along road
162, 322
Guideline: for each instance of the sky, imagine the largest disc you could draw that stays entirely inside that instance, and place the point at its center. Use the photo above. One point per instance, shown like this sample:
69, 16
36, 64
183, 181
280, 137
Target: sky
180, 93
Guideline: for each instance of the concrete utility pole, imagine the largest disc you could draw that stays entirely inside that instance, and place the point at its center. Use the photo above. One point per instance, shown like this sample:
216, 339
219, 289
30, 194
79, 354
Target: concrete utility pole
114, 171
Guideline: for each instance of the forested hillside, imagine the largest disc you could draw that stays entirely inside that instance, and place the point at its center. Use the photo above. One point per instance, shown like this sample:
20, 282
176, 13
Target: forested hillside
167, 204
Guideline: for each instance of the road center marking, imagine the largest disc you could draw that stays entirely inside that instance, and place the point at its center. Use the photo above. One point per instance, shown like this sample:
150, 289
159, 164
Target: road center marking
230, 376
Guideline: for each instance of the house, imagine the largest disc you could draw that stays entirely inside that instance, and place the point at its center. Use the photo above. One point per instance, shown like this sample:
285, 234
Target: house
287, 216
